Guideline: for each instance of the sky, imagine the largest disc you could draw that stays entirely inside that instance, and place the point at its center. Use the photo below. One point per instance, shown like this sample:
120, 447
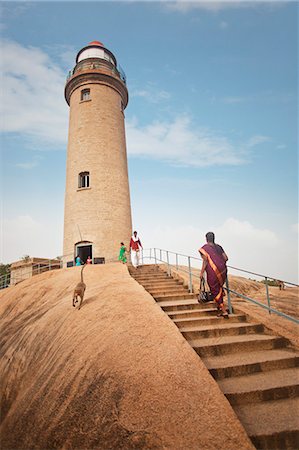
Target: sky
211, 124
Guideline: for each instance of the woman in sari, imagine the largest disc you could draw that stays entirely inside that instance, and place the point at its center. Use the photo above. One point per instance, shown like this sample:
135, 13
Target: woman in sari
122, 253
214, 264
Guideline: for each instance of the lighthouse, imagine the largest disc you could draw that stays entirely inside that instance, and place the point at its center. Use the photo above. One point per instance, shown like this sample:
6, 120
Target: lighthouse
97, 213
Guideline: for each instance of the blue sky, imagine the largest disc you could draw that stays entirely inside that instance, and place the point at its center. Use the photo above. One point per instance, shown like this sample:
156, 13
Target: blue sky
211, 123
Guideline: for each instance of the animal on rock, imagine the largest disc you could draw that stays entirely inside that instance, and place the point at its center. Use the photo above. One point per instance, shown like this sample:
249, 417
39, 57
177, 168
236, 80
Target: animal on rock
79, 291
280, 285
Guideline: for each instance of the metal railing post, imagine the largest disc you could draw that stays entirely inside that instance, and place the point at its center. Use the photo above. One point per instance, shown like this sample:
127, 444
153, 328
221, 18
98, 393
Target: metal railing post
230, 309
49, 264
190, 276
168, 266
268, 296
155, 256
160, 255
142, 257
176, 261
150, 257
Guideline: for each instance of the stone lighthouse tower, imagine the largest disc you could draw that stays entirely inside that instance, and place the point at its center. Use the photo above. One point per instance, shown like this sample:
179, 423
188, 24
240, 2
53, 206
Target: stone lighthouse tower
97, 214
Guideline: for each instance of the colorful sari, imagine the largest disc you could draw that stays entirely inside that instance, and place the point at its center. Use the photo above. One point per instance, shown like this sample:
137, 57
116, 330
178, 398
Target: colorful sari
122, 254
216, 270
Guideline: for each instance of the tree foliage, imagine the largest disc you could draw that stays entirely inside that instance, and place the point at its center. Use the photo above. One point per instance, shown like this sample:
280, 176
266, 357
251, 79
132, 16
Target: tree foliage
4, 269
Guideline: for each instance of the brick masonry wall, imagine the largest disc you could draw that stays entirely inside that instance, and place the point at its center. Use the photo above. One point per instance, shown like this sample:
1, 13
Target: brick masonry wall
96, 144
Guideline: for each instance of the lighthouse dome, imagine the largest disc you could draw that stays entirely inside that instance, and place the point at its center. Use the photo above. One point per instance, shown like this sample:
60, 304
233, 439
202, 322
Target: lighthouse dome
96, 49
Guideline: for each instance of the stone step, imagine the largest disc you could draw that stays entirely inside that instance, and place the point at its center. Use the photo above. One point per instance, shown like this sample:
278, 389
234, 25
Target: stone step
152, 278
167, 291
163, 285
195, 312
239, 364
221, 329
234, 344
147, 268
257, 372
166, 284
166, 280
141, 271
197, 319
173, 297
259, 387
189, 305
271, 425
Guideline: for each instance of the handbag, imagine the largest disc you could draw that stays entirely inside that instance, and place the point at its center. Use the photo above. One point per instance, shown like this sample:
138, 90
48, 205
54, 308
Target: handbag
204, 296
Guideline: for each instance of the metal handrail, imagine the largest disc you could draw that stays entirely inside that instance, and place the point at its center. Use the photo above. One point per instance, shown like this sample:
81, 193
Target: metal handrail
153, 256
230, 267
38, 268
158, 258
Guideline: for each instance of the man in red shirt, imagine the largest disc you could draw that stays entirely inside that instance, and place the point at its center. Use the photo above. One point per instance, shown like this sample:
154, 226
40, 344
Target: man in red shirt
135, 246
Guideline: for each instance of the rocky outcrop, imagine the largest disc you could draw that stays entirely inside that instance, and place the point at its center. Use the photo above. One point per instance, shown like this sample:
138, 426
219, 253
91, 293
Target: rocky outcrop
115, 375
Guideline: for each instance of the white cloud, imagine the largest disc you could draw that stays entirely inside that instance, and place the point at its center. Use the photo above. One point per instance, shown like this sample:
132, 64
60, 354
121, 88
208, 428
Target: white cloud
256, 140
32, 98
179, 143
152, 95
27, 165
223, 25
258, 250
248, 247
244, 230
268, 97
295, 228
24, 235
232, 100
216, 5
33, 105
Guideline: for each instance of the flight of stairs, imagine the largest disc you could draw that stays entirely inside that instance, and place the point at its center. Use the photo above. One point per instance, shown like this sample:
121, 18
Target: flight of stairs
255, 369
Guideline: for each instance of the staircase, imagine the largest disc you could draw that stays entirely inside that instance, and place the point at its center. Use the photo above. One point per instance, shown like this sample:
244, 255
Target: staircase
255, 369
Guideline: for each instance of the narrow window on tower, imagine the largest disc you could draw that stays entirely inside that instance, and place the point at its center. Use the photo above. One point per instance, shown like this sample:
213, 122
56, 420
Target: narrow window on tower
83, 181
85, 95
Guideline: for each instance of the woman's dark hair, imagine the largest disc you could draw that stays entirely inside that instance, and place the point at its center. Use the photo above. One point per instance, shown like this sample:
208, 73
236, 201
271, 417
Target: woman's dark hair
122, 243
210, 237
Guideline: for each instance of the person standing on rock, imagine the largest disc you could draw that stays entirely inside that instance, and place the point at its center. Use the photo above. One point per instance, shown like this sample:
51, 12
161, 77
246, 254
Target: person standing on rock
135, 246
122, 253
214, 264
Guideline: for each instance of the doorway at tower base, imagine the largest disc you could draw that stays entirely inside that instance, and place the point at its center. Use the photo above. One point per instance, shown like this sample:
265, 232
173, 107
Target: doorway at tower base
84, 252
84, 249
95, 260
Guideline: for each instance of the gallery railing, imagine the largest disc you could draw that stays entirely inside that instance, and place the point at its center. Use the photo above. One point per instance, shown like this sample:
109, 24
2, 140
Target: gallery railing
188, 264
98, 65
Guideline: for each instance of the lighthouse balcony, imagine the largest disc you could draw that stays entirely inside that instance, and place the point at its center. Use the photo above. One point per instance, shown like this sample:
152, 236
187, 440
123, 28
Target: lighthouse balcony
94, 65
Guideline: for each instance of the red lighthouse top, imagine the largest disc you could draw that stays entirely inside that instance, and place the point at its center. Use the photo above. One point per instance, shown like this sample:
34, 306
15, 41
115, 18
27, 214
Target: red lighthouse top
98, 43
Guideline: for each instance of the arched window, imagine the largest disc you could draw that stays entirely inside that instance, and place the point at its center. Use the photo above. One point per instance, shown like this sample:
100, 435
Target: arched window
83, 181
85, 95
